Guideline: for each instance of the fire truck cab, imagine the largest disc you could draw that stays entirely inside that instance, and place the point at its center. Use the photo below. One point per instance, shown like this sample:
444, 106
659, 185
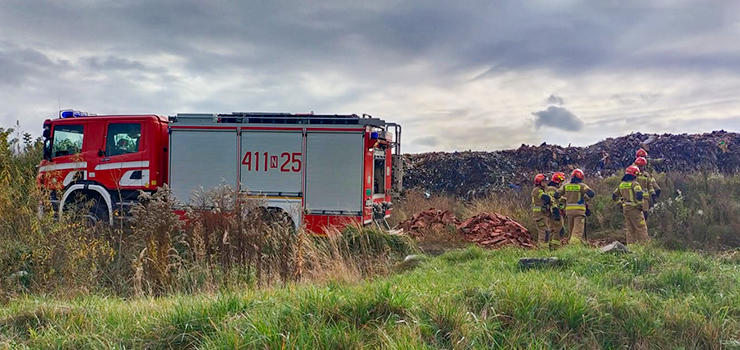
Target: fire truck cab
320, 170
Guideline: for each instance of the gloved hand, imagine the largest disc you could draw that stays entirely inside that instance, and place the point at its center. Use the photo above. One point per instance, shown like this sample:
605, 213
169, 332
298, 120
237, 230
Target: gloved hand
657, 193
556, 214
654, 198
645, 214
581, 201
588, 211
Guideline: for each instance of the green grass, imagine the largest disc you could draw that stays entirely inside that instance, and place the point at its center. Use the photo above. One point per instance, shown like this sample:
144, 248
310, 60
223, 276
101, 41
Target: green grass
463, 299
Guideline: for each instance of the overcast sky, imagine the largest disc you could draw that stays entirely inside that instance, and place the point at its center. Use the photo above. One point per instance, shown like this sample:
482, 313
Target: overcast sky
458, 75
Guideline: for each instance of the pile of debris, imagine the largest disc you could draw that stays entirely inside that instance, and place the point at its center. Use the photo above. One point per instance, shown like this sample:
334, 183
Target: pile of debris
430, 219
495, 231
470, 174
487, 230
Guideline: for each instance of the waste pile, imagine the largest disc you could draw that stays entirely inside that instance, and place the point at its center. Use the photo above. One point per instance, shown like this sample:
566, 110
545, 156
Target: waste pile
430, 219
495, 231
470, 174
485, 229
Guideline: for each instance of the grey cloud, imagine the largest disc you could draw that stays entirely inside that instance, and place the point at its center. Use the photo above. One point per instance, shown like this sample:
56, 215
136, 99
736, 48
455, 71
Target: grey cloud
171, 56
555, 100
116, 63
557, 117
17, 65
431, 141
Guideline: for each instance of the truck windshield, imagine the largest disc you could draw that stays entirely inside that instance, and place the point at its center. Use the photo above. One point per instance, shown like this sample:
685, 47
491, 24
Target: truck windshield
67, 140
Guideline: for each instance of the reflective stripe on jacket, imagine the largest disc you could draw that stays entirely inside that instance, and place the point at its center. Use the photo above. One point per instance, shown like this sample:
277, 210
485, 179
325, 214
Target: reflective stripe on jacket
626, 192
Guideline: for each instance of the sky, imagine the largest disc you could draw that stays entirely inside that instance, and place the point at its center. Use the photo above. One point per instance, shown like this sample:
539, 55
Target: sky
458, 75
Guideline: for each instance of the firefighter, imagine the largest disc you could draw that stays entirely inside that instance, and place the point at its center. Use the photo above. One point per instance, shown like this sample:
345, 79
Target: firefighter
641, 153
540, 207
555, 217
648, 184
576, 193
631, 195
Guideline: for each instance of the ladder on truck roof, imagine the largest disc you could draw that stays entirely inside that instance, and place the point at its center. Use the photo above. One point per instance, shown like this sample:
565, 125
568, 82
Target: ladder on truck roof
278, 118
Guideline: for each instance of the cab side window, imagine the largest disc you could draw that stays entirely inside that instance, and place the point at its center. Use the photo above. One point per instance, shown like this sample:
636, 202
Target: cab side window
122, 139
67, 140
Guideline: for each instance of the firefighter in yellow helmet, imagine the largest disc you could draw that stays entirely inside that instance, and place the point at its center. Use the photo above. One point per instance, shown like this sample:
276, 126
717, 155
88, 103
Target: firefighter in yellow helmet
555, 217
576, 193
631, 195
648, 184
540, 207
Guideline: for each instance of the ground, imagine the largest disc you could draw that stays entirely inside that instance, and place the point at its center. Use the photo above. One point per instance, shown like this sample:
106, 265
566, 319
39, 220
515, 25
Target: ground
466, 298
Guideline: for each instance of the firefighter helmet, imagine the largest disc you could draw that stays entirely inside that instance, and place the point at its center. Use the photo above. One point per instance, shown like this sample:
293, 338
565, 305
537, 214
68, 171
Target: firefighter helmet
632, 170
641, 153
641, 161
539, 178
577, 173
558, 177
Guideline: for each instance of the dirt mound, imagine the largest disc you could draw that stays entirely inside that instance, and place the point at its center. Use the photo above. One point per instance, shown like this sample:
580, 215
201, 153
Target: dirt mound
485, 229
473, 173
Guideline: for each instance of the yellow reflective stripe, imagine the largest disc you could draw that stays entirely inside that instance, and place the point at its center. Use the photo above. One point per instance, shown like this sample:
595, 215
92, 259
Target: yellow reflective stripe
537, 209
569, 207
573, 188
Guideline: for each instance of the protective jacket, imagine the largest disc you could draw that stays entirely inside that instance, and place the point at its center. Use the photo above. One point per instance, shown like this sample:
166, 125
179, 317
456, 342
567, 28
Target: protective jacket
649, 186
576, 194
540, 200
630, 193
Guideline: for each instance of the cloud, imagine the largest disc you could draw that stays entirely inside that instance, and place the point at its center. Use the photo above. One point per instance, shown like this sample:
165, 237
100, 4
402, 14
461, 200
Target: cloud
432, 141
555, 100
557, 117
457, 77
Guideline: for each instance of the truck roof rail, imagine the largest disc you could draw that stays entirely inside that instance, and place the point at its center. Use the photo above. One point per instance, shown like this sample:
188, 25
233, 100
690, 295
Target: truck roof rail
277, 118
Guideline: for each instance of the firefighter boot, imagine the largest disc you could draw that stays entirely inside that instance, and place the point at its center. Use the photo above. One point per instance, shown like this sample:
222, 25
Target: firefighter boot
556, 238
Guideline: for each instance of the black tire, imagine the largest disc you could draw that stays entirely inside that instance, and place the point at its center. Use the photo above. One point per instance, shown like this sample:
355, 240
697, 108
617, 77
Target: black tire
99, 211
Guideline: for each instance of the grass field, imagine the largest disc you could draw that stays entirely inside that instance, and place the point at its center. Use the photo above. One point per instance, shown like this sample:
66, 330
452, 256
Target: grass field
467, 298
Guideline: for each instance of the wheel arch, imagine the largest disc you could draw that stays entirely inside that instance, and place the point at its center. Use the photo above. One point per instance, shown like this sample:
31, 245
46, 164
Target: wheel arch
91, 188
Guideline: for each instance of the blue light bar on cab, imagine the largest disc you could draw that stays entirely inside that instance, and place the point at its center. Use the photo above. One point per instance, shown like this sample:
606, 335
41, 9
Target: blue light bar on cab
70, 113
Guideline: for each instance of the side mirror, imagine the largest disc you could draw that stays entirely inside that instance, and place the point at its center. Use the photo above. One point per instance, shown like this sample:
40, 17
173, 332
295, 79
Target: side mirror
47, 133
101, 153
47, 149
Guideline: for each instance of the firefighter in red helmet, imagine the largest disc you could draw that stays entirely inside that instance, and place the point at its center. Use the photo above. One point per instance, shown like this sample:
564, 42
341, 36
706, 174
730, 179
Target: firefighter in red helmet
648, 184
555, 217
540, 207
631, 195
576, 194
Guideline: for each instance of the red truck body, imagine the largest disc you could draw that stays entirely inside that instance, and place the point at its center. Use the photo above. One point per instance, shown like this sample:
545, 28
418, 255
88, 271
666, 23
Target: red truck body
322, 170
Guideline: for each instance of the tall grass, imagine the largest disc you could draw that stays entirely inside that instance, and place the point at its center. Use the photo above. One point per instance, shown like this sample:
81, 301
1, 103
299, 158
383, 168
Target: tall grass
465, 299
225, 240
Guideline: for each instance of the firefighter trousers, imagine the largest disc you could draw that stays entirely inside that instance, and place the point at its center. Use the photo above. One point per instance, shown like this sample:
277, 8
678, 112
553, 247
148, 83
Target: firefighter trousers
542, 226
635, 226
557, 231
576, 224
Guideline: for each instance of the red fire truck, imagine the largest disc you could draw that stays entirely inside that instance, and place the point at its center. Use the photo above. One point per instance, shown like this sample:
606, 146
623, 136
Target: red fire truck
319, 169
